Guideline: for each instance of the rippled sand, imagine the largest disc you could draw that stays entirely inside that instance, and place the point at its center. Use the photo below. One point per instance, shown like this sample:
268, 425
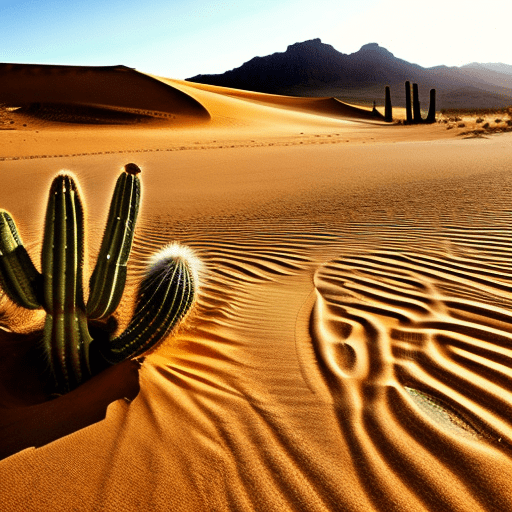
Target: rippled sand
351, 348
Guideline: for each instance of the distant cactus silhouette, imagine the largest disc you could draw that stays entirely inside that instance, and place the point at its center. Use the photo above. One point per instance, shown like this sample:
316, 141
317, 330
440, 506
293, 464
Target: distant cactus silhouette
416, 112
388, 109
166, 294
413, 116
408, 109
431, 117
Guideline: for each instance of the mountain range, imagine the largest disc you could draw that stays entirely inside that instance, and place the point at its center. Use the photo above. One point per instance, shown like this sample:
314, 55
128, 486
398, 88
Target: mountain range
313, 68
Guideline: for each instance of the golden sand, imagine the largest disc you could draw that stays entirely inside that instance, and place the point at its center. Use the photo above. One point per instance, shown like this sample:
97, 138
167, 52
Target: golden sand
351, 345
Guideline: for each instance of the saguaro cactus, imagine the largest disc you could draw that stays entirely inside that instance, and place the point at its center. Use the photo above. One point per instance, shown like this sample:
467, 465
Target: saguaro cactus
431, 117
388, 109
165, 296
408, 102
414, 116
416, 104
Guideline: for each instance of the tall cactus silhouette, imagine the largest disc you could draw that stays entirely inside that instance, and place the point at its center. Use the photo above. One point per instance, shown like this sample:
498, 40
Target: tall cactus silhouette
388, 109
431, 117
165, 295
408, 109
416, 111
413, 116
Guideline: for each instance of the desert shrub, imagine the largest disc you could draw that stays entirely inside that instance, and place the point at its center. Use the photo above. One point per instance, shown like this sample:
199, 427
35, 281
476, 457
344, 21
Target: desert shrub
486, 125
480, 120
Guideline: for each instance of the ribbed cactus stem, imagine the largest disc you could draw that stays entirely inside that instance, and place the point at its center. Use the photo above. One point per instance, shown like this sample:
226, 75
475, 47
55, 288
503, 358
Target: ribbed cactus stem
388, 110
19, 277
416, 104
431, 117
109, 275
408, 108
166, 294
66, 335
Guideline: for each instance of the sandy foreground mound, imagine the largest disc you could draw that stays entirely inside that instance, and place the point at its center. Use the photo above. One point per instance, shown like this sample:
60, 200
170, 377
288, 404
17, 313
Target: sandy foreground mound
351, 346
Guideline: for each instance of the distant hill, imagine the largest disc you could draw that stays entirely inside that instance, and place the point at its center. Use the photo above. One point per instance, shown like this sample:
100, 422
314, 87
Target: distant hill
312, 68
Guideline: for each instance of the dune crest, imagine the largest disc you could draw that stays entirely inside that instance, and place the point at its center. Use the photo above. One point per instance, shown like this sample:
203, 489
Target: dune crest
115, 87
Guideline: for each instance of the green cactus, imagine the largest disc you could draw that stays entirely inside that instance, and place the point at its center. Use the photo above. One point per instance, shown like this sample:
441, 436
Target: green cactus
18, 276
109, 276
165, 296
66, 337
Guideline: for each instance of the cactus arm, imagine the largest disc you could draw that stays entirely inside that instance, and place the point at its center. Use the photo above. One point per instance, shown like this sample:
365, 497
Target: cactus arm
109, 275
18, 276
66, 334
166, 294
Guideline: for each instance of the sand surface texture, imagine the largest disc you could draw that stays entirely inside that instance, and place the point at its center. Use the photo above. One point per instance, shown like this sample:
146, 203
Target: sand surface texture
351, 348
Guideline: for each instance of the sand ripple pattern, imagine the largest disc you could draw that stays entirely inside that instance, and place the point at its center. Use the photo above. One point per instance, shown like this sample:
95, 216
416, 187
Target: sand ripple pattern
415, 349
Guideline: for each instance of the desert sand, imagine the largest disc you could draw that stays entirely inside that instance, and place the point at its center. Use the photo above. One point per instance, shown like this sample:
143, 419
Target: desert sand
351, 346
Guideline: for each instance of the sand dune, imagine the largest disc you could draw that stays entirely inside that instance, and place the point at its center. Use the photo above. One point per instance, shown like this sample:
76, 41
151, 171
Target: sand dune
330, 107
107, 87
351, 344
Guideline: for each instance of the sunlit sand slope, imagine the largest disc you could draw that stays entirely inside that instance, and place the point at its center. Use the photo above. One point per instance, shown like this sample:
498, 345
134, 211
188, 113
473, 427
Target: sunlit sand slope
330, 107
351, 349
108, 95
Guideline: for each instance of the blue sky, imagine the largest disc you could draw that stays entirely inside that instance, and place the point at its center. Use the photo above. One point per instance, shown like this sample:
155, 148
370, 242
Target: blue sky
183, 38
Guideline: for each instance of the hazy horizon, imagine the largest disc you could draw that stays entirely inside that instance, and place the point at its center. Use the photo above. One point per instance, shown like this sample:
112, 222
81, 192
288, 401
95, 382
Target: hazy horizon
197, 37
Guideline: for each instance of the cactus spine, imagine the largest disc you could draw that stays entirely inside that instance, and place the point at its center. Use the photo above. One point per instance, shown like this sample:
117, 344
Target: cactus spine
431, 117
18, 276
388, 110
165, 296
109, 276
408, 102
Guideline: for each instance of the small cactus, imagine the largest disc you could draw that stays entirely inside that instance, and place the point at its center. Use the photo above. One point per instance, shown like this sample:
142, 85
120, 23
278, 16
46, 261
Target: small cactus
165, 296
18, 276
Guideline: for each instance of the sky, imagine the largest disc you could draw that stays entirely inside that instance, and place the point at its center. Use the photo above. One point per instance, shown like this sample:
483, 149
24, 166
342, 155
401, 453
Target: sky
184, 38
